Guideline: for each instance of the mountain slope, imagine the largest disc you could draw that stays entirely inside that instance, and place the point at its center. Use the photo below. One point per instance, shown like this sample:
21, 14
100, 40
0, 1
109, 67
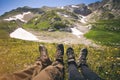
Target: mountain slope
20, 10
6, 28
48, 20
104, 10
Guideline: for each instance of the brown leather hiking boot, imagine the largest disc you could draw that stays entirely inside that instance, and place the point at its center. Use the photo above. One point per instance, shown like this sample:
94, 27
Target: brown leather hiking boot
82, 57
44, 57
59, 53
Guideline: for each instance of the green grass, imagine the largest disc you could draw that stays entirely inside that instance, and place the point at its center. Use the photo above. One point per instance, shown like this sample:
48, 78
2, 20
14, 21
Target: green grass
16, 54
105, 32
6, 34
6, 28
104, 37
41, 26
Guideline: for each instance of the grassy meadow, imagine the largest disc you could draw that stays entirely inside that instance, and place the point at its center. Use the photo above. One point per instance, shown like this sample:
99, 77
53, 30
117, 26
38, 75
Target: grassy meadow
105, 32
16, 55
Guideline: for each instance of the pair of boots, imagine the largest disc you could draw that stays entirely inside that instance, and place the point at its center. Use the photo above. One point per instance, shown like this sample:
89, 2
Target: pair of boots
44, 57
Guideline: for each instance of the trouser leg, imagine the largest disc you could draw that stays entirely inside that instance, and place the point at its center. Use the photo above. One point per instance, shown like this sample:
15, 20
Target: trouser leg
73, 73
89, 74
26, 74
52, 72
40, 66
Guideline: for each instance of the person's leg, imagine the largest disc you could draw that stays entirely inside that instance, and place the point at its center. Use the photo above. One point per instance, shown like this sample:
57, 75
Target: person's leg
56, 70
27, 74
89, 74
73, 73
43, 61
86, 71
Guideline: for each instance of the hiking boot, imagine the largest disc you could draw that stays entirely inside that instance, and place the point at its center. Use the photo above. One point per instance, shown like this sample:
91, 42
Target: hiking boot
70, 55
59, 53
44, 58
82, 57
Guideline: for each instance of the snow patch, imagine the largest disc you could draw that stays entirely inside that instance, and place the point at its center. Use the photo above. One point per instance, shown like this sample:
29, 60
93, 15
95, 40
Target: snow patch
65, 15
76, 32
23, 34
62, 7
83, 19
74, 6
19, 16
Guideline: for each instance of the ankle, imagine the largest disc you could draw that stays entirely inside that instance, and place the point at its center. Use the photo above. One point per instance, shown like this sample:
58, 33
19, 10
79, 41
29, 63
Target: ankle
72, 62
60, 60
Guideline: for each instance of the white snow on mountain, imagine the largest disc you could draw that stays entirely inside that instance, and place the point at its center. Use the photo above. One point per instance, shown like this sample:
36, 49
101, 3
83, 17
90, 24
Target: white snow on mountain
19, 16
76, 32
20, 33
62, 7
65, 15
74, 6
82, 19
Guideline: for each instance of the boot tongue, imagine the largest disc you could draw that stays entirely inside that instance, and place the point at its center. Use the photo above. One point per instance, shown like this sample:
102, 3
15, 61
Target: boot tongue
44, 53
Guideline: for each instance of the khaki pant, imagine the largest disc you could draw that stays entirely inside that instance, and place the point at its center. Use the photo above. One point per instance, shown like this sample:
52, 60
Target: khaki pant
39, 71
52, 72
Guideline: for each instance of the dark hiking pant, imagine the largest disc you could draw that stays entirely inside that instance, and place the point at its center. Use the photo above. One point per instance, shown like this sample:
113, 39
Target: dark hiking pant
87, 74
73, 73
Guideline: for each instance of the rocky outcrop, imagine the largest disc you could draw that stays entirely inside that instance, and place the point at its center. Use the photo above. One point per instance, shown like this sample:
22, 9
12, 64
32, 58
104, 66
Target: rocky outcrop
94, 6
106, 9
82, 9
